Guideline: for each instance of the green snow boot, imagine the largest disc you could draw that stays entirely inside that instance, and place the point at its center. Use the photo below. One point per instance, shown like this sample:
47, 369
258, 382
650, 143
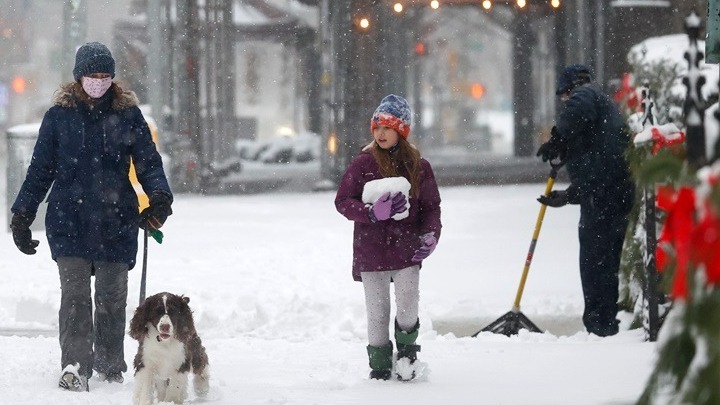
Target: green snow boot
407, 352
380, 361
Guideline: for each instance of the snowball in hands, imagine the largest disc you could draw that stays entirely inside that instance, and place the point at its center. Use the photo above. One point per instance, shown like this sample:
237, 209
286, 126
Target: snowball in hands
375, 188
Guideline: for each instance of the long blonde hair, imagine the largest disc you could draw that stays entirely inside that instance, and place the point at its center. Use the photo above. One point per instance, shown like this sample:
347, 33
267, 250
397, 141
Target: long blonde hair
407, 156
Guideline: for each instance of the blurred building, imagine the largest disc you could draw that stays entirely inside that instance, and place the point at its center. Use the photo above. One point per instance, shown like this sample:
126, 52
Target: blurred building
466, 81
218, 72
32, 43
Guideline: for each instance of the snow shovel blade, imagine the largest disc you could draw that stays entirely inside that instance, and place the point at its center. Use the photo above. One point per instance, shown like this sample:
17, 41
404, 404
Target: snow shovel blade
510, 324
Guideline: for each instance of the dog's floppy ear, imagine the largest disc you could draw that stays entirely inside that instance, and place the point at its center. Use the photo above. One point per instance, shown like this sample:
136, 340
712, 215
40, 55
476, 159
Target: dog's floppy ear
185, 326
138, 324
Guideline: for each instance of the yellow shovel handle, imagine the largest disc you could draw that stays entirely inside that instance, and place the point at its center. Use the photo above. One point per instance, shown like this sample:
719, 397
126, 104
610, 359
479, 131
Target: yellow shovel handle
531, 251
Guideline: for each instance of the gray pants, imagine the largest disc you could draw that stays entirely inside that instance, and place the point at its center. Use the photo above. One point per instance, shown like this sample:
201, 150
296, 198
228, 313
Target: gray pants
377, 301
77, 332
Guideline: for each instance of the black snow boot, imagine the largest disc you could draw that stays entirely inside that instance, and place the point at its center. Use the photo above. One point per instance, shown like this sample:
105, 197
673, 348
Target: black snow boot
380, 361
407, 351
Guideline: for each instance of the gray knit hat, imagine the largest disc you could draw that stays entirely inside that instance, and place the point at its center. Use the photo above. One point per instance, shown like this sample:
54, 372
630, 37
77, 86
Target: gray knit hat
93, 57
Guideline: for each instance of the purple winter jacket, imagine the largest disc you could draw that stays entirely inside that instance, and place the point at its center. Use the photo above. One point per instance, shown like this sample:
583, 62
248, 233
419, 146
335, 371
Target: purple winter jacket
386, 245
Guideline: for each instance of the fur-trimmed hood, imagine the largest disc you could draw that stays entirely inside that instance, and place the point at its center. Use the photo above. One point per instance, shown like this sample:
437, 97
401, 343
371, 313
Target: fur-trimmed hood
69, 94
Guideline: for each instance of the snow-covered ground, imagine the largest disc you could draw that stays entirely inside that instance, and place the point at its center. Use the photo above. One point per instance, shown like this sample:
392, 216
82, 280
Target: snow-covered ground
283, 322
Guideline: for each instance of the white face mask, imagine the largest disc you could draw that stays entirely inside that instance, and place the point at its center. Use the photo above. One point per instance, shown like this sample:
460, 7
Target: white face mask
95, 88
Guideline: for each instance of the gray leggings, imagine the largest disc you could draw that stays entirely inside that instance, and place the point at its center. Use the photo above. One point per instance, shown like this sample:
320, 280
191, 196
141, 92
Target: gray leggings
78, 331
377, 301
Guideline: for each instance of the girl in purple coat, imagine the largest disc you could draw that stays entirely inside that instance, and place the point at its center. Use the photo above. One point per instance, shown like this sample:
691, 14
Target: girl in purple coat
391, 239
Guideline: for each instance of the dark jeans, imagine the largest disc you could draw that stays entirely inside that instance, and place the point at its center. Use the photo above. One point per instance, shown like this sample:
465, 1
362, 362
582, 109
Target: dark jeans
78, 332
602, 232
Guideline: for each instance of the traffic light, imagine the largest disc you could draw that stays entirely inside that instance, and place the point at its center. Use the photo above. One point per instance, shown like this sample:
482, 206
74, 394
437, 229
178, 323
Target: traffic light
477, 91
18, 84
420, 48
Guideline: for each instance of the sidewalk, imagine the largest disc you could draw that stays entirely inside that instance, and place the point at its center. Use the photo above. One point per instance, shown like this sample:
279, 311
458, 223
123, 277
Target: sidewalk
449, 171
493, 170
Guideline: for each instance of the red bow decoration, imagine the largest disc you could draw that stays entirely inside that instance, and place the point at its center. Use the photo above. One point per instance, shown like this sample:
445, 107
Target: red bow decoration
677, 232
705, 247
660, 140
626, 93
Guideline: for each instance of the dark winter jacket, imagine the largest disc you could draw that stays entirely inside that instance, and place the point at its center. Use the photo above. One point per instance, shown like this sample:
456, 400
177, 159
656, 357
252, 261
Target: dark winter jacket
593, 130
386, 245
85, 153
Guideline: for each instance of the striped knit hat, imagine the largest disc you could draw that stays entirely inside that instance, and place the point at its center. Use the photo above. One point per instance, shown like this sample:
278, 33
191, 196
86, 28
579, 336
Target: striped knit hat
393, 112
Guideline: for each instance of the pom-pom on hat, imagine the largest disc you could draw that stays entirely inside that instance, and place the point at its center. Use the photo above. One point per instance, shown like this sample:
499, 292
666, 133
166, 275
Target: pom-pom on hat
573, 76
393, 112
93, 57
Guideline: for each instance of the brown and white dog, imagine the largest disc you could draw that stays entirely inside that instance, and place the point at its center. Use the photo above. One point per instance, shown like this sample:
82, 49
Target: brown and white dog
169, 349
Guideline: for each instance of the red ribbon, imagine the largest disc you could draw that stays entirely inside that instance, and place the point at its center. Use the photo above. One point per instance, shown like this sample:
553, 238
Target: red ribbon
626, 93
705, 247
660, 140
677, 232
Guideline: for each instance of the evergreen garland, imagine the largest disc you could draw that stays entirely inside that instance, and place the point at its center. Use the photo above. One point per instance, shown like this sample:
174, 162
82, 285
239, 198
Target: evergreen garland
688, 365
662, 77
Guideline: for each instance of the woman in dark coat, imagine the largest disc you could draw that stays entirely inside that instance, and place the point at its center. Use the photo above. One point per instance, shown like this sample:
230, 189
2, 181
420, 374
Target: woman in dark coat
86, 142
389, 243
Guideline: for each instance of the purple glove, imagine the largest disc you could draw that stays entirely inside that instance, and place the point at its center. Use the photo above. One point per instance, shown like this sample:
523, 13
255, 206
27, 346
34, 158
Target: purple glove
385, 206
428, 245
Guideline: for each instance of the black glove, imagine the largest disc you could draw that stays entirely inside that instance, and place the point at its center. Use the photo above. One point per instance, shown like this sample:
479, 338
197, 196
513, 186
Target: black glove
552, 149
154, 216
22, 236
555, 199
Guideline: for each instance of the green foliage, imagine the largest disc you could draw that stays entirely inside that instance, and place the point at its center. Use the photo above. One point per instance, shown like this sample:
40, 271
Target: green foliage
688, 366
674, 359
632, 268
663, 168
632, 274
701, 387
648, 171
687, 370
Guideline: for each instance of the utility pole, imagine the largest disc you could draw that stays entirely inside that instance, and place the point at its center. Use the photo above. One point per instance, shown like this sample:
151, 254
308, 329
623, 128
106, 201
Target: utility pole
360, 64
523, 93
600, 10
74, 31
187, 63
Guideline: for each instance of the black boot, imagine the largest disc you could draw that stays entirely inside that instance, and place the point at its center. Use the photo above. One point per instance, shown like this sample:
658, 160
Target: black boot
407, 349
380, 361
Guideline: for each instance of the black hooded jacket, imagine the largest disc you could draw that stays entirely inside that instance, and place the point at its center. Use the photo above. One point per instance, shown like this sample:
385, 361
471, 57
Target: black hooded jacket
593, 130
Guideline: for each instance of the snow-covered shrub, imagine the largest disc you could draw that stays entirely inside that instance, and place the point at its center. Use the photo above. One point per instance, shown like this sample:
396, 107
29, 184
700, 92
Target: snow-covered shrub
300, 148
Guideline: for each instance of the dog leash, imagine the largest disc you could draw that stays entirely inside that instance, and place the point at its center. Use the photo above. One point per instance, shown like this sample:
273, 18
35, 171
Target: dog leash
158, 236
143, 277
